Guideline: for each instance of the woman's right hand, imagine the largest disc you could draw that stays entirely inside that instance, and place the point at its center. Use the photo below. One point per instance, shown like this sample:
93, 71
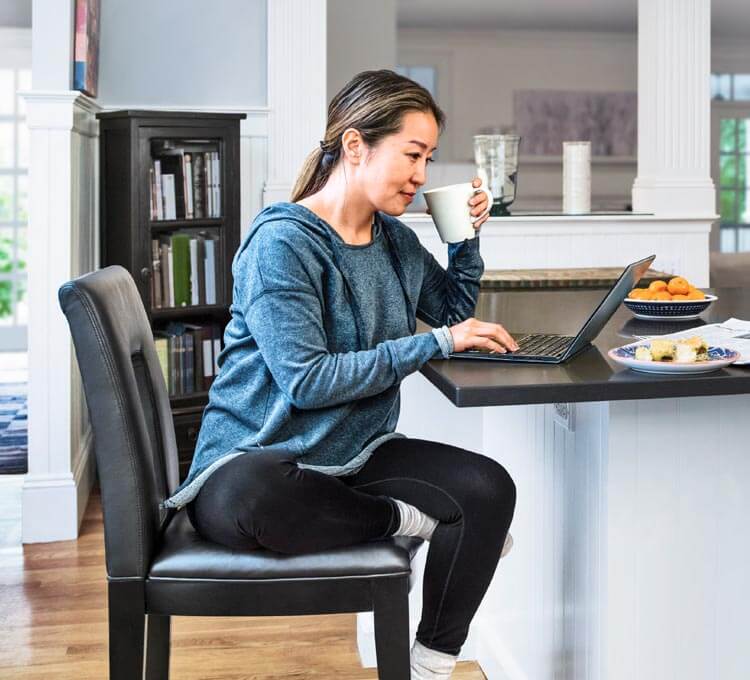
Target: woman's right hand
474, 333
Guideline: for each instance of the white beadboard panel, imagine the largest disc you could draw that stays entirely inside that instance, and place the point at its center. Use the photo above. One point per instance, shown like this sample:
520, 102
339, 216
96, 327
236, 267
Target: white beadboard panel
678, 597
84, 250
254, 161
730, 513
525, 603
680, 244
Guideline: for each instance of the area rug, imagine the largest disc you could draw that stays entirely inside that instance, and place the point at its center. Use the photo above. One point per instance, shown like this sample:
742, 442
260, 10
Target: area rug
13, 429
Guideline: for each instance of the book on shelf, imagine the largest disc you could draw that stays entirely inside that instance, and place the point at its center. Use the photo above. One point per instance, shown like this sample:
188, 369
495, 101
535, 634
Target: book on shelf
188, 356
185, 185
185, 265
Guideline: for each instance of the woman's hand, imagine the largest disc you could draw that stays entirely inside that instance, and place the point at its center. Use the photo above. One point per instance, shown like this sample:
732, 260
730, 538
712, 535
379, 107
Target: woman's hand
483, 335
479, 205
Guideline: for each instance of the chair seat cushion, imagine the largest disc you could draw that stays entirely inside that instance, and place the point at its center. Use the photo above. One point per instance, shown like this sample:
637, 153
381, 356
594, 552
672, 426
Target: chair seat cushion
186, 555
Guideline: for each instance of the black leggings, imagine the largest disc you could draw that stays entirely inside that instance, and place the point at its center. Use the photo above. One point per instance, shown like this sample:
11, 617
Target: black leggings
262, 499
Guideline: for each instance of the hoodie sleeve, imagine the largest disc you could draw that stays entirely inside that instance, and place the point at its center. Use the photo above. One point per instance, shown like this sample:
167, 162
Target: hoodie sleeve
448, 297
284, 314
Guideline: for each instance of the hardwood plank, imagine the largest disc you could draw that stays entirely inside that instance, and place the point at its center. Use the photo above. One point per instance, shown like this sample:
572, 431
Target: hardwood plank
53, 614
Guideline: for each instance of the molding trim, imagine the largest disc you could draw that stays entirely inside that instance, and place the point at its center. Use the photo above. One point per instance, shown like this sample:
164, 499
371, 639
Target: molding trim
53, 504
255, 125
512, 38
15, 38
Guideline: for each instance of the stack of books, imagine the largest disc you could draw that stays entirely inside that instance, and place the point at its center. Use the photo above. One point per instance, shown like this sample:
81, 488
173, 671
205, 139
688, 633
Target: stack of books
185, 185
183, 268
188, 356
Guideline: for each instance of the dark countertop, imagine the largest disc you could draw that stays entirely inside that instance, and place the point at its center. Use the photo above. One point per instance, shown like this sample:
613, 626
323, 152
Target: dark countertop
590, 376
578, 277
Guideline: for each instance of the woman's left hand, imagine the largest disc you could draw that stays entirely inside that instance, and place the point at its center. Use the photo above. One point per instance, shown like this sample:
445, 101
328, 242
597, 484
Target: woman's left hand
479, 205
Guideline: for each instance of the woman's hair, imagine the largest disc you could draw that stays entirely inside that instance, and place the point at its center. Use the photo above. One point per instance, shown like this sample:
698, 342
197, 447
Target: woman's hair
373, 102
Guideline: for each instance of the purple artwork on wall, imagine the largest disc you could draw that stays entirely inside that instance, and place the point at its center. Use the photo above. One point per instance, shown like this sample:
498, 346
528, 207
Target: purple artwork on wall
547, 118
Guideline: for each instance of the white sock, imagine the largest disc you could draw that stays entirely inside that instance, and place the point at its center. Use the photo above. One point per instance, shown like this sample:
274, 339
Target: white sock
414, 522
429, 664
506, 546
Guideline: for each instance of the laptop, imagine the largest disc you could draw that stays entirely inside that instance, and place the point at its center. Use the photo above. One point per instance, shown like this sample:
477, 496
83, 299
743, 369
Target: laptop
554, 349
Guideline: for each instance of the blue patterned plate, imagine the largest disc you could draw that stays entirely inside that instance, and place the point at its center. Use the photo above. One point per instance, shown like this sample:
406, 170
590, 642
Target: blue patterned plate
676, 310
718, 357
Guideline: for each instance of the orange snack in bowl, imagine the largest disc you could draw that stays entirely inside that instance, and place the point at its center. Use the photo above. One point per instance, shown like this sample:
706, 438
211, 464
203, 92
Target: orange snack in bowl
647, 294
678, 286
696, 294
662, 295
658, 285
636, 293
680, 297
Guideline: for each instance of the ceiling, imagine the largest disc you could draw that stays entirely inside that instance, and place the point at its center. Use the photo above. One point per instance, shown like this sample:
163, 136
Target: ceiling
729, 18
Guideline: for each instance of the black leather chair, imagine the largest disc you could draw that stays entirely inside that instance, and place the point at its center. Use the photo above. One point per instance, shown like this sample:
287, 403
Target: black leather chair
157, 565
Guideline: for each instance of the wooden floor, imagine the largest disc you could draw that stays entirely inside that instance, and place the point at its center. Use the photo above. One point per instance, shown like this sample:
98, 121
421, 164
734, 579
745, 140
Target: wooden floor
53, 618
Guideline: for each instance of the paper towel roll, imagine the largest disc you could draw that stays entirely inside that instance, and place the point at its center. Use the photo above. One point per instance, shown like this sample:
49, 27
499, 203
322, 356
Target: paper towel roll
576, 177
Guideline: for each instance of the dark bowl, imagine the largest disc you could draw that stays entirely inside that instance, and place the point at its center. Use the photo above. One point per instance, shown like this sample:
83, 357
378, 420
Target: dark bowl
669, 308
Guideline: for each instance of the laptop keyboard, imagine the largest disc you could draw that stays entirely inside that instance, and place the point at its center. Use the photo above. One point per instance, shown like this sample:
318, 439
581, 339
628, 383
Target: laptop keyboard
541, 344
535, 344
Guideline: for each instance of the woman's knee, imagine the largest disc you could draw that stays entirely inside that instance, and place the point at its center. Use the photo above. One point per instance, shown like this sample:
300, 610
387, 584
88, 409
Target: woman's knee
495, 487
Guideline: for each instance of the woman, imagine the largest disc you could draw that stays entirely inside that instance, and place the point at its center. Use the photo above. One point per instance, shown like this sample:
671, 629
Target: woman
297, 450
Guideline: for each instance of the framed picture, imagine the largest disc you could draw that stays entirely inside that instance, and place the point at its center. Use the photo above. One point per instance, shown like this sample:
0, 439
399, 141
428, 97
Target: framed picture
86, 47
546, 118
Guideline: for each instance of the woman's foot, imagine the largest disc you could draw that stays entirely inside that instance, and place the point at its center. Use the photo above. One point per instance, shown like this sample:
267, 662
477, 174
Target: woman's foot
429, 664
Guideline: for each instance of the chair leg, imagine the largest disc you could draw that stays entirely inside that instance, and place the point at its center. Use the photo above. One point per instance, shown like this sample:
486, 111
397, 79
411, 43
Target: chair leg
157, 647
127, 619
391, 614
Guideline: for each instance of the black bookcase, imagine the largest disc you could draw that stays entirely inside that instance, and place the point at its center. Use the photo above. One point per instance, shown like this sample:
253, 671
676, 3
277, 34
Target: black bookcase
130, 141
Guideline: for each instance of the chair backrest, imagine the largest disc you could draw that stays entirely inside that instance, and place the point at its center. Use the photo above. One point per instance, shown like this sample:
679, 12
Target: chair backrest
134, 438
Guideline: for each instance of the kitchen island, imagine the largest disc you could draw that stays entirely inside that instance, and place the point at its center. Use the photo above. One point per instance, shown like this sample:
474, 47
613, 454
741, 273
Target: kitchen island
631, 547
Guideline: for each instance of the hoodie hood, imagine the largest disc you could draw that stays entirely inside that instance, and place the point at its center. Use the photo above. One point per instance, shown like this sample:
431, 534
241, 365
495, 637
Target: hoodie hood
303, 218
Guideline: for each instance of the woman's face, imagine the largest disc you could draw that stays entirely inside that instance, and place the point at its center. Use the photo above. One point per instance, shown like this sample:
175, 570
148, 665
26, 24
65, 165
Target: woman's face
394, 169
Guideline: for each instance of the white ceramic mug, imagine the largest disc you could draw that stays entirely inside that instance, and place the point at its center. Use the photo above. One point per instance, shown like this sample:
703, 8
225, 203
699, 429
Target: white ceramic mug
451, 212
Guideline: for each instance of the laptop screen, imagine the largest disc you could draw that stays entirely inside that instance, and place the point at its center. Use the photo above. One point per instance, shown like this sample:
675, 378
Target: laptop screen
612, 300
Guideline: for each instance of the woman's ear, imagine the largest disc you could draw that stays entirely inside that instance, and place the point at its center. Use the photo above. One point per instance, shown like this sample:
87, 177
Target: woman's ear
352, 145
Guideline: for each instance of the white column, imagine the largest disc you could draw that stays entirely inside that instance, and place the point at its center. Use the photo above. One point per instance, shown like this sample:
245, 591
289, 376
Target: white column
296, 90
674, 108
62, 244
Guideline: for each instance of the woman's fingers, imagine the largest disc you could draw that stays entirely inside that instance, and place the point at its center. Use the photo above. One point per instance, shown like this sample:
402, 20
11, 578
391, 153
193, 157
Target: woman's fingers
481, 220
478, 203
497, 333
493, 346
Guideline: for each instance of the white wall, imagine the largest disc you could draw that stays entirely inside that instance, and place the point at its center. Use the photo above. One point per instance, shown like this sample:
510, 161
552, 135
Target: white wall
183, 53
478, 72
16, 13
361, 36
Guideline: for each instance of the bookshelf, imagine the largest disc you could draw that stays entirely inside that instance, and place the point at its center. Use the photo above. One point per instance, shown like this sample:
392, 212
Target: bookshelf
170, 214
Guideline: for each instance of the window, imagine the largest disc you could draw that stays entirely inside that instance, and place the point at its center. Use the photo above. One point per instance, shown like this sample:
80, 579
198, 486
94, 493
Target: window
734, 184
730, 87
426, 76
14, 163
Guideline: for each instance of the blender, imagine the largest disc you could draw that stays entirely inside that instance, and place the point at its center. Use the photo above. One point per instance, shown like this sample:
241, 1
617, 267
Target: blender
496, 157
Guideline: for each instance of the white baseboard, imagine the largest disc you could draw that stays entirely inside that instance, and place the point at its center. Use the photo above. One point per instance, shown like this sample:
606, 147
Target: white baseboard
52, 506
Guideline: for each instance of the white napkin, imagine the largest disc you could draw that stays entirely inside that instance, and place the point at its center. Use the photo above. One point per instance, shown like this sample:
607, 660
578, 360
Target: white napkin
732, 334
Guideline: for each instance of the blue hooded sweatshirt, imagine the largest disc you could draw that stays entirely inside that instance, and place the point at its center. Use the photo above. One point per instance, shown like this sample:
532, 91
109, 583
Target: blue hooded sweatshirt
314, 356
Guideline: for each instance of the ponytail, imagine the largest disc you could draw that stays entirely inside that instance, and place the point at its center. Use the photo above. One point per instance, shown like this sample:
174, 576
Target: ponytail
315, 172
